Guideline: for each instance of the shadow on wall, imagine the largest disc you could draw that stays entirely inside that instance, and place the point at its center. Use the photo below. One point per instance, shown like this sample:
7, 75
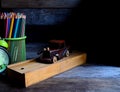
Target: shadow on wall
88, 30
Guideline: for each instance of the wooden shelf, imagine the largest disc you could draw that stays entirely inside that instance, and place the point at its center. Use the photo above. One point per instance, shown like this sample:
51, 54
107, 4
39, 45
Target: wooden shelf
31, 72
39, 3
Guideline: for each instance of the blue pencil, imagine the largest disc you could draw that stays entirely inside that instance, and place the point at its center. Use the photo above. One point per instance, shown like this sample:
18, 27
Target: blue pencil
16, 27
9, 20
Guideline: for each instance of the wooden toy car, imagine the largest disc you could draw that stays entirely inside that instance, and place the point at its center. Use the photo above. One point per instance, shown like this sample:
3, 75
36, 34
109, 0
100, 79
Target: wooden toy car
55, 51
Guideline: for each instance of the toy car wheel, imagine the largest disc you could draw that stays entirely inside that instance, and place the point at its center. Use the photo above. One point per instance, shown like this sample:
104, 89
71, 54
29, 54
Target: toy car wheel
67, 53
54, 59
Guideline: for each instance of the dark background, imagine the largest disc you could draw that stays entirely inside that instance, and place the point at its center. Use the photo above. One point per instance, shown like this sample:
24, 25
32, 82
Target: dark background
88, 27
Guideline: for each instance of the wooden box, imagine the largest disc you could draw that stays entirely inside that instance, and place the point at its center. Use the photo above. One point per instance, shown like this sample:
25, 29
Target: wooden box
31, 71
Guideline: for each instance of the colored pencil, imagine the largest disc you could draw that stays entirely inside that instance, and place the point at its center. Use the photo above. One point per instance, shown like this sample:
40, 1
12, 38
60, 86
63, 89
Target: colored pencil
16, 27
11, 27
23, 25
9, 21
6, 31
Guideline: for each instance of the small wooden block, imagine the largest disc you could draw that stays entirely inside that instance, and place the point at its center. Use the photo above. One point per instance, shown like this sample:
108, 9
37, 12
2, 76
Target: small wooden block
31, 72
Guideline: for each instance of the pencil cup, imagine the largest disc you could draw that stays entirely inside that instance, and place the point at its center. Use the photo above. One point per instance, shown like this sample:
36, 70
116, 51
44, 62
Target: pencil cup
16, 49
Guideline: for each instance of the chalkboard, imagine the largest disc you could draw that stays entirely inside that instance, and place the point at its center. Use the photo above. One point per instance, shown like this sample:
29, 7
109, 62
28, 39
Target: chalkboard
39, 3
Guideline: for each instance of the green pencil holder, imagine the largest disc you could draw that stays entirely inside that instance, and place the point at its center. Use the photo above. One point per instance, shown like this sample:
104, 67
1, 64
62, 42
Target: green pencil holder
16, 49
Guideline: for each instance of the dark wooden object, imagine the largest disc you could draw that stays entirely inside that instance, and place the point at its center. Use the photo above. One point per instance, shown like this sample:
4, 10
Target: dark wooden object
39, 3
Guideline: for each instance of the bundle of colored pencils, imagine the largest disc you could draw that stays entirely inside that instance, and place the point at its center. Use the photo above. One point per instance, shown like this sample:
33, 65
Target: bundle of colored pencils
12, 25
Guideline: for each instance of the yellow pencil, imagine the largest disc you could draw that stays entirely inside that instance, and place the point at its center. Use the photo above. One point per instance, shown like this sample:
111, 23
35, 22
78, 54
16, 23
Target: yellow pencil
11, 27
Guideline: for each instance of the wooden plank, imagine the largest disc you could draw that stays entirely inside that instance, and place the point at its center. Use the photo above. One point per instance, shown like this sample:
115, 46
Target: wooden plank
39, 3
31, 71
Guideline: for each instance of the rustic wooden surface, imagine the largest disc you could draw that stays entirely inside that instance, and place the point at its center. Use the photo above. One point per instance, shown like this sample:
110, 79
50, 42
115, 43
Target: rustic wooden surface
31, 72
39, 3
